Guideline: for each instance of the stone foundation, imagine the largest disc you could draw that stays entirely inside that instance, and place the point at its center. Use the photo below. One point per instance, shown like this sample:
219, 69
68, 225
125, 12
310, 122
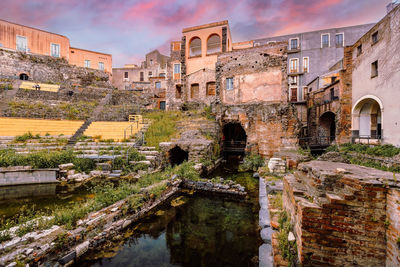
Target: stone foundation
343, 214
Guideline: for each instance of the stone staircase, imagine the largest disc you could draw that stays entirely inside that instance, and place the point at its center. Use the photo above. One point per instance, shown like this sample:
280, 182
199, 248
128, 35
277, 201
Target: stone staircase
87, 123
49, 143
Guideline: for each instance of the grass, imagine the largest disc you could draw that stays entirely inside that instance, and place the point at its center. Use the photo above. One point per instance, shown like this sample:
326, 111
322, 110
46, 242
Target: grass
288, 250
251, 162
380, 150
45, 159
162, 128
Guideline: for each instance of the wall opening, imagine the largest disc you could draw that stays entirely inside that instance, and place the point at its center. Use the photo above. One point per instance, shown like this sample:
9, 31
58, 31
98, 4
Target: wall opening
234, 140
195, 47
213, 44
194, 91
367, 119
327, 128
210, 88
178, 91
177, 156
23, 77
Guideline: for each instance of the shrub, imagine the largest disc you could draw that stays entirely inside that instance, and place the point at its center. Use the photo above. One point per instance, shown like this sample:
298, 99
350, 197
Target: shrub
24, 137
252, 162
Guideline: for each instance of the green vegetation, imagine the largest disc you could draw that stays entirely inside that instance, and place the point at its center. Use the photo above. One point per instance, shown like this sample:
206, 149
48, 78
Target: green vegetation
25, 137
381, 150
45, 159
287, 248
106, 193
162, 128
208, 113
7, 86
72, 111
276, 201
251, 162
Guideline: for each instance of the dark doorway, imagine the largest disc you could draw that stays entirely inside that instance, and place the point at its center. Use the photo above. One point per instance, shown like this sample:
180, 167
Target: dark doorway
162, 105
234, 140
23, 77
177, 156
327, 129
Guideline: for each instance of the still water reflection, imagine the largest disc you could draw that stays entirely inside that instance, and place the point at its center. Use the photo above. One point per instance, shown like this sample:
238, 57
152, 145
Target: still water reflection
193, 231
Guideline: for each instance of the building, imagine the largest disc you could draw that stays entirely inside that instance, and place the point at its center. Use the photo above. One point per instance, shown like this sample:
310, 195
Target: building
311, 54
375, 82
26, 39
133, 77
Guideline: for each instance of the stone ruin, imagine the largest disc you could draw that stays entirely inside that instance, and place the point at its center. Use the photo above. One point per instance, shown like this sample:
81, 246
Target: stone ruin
344, 214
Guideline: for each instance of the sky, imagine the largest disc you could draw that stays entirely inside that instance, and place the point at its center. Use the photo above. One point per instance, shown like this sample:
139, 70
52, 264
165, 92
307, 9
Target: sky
128, 29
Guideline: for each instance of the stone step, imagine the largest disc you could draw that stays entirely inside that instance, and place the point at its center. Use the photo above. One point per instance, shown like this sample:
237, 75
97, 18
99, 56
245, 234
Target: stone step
151, 158
105, 143
147, 162
148, 152
143, 148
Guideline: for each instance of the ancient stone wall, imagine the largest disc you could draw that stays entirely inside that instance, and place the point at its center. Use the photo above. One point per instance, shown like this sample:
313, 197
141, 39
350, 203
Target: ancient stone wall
269, 127
393, 228
259, 75
340, 214
46, 69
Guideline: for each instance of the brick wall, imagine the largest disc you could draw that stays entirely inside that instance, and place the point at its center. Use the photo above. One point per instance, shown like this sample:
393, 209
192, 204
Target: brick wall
339, 214
393, 229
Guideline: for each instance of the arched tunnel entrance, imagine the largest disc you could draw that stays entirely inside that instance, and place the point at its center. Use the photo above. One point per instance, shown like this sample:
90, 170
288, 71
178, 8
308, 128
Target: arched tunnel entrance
23, 77
234, 140
177, 156
327, 129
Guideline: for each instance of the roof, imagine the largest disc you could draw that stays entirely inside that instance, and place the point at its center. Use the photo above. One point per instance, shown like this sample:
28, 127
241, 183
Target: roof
91, 51
34, 28
205, 26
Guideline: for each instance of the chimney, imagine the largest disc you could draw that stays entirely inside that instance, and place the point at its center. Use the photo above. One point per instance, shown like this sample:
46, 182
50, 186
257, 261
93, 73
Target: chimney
392, 5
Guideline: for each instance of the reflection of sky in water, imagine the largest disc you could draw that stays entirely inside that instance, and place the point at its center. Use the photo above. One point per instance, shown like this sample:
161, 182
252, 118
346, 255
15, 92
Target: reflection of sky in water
148, 251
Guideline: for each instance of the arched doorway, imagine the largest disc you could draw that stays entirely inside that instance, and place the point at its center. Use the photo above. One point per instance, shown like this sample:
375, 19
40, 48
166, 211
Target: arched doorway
327, 128
367, 119
23, 77
234, 139
177, 156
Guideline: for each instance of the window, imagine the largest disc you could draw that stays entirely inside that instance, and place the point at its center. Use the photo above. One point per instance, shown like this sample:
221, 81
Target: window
229, 83
375, 37
325, 40
150, 73
176, 46
210, 88
294, 43
101, 66
177, 68
141, 76
374, 69
213, 44
195, 47
293, 80
22, 44
162, 74
126, 75
151, 62
55, 50
306, 64
162, 105
87, 63
359, 50
294, 66
293, 94
158, 85
339, 40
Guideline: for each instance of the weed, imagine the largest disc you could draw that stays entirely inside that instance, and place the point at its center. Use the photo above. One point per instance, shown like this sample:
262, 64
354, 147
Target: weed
61, 241
251, 162
5, 236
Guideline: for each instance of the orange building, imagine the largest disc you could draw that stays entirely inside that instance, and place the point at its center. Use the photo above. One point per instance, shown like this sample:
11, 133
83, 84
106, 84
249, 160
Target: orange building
204, 43
26, 39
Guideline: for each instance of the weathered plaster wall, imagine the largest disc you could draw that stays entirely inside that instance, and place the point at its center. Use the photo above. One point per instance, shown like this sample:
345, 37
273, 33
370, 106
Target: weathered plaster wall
385, 86
259, 75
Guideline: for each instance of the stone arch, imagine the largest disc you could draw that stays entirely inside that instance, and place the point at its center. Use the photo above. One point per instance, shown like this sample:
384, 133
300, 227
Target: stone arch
195, 47
23, 76
213, 44
367, 117
327, 127
177, 156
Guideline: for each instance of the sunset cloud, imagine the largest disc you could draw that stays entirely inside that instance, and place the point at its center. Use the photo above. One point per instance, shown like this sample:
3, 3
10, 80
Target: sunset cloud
130, 28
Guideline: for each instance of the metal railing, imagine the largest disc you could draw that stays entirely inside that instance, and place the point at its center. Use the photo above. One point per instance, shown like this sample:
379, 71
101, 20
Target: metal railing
234, 146
367, 139
134, 125
313, 141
